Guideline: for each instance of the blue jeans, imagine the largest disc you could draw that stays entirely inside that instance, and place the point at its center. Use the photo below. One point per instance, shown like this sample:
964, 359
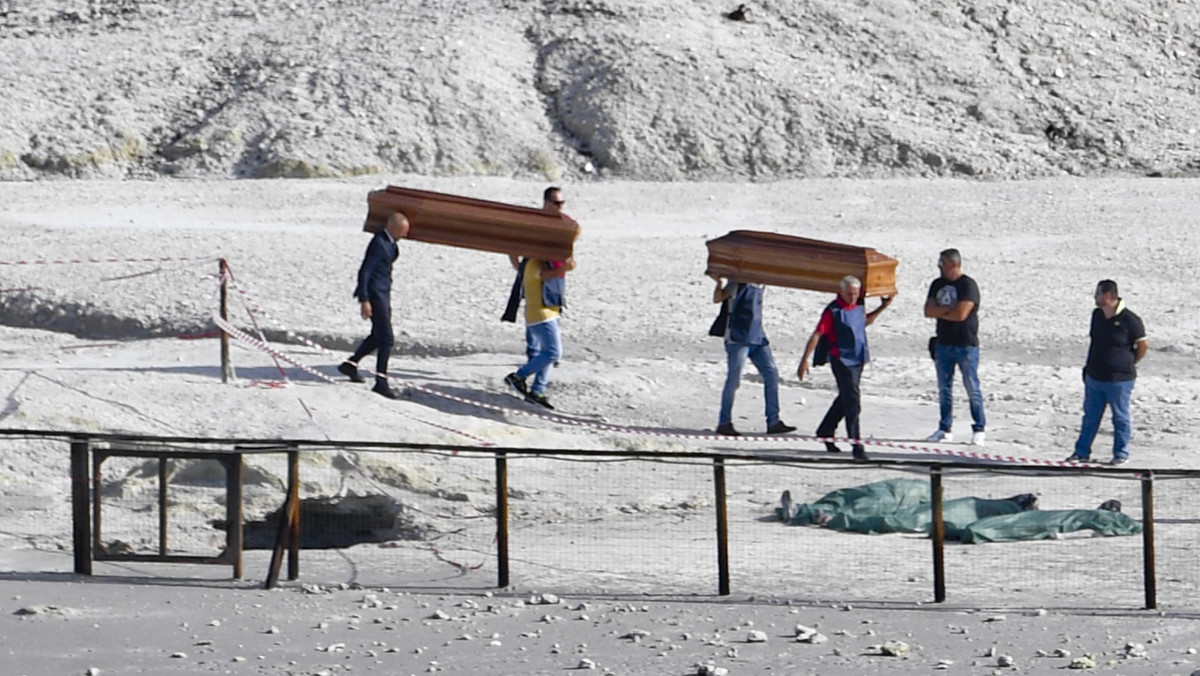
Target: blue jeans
760, 355
543, 344
966, 358
1096, 395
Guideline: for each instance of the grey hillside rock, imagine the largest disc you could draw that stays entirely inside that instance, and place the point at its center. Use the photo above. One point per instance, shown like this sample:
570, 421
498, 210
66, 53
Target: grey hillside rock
565, 89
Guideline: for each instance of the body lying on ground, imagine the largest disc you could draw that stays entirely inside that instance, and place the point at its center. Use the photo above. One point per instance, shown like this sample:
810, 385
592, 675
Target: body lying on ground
905, 506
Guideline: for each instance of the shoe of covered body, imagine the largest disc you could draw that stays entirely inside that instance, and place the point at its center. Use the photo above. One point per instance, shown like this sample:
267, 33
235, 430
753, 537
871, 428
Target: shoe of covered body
978, 438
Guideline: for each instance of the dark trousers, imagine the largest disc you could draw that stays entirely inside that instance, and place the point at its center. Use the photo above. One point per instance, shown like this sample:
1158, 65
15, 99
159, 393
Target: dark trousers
381, 338
848, 402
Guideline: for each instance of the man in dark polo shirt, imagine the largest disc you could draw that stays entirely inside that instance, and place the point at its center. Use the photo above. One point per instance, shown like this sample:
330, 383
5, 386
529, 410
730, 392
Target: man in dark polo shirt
1118, 344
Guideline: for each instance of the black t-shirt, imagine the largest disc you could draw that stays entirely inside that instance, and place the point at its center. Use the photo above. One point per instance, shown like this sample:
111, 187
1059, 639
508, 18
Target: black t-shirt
1110, 356
947, 294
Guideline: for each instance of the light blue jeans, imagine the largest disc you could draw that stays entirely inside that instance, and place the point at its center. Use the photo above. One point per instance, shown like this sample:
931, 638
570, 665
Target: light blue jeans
1096, 395
760, 355
966, 358
543, 344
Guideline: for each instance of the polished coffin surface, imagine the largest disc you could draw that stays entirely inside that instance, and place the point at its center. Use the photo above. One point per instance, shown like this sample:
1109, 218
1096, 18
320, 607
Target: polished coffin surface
799, 262
472, 223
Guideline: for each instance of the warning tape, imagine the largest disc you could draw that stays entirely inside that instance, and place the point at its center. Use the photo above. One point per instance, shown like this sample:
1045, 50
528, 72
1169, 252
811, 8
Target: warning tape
687, 436
73, 261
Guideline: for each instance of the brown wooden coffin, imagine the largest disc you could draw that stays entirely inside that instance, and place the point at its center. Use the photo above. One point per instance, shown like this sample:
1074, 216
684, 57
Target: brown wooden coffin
799, 262
454, 220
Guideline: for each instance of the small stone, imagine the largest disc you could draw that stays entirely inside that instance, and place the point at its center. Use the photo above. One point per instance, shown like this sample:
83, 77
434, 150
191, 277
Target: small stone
586, 663
1135, 650
179, 655
1083, 662
756, 636
894, 648
1005, 661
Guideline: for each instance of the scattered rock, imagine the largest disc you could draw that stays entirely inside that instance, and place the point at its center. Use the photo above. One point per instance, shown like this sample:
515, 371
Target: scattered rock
1083, 662
894, 648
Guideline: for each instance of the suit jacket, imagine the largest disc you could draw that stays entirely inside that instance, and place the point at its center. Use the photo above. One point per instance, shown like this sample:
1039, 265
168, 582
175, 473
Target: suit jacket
375, 273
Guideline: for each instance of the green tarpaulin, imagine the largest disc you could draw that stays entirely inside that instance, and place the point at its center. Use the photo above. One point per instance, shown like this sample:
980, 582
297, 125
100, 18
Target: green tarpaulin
903, 506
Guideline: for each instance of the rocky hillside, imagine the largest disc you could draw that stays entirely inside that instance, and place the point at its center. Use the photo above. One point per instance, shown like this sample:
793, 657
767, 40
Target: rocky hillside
632, 89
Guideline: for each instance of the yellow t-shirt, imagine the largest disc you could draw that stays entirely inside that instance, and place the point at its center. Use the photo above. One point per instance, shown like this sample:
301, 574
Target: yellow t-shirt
535, 312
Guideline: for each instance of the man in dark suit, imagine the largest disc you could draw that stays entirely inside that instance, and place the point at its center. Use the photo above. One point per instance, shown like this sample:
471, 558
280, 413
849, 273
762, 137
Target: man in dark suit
374, 296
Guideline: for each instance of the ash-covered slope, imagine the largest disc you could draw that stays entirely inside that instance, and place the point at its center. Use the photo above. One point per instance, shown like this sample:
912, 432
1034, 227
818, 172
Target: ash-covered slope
636, 89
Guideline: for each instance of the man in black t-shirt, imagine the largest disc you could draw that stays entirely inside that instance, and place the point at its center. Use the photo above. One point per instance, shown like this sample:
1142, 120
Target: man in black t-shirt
1118, 344
953, 300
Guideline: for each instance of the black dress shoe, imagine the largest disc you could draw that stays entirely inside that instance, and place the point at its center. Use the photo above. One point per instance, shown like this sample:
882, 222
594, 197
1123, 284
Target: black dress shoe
384, 391
726, 430
780, 427
350, 371
539, 399
859, 453
832, 447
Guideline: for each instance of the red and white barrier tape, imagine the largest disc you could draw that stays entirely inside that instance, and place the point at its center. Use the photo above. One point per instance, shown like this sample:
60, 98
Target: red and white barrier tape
73, 261
689, 436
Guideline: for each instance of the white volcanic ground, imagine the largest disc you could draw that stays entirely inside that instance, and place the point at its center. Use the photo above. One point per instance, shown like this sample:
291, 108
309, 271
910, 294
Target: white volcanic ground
628, 548
571, 89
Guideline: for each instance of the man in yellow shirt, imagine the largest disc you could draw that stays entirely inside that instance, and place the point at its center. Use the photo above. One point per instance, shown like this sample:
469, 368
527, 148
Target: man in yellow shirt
544, 288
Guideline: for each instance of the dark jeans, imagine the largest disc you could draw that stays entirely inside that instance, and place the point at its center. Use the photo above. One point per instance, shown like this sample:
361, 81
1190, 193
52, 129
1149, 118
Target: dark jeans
381, 338
848, 402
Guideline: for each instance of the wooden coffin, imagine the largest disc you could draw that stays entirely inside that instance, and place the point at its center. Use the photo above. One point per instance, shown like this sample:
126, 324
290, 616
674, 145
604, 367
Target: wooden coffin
799, 263
439, 218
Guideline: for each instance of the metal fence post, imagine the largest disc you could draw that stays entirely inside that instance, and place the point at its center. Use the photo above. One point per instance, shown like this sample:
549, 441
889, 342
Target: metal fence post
1148, 540
722, 527
501, 520
938, 534
226, 366
81, 506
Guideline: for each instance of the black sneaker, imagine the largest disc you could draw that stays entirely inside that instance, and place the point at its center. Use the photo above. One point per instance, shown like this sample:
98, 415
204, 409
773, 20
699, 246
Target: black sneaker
350, 370
539, 399
832, 447
517, 383
726, 430
780, 427
383, 390
859, 453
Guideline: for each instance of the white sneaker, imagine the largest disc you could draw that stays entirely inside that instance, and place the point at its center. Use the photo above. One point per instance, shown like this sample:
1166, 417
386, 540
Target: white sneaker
940, 435
978, 438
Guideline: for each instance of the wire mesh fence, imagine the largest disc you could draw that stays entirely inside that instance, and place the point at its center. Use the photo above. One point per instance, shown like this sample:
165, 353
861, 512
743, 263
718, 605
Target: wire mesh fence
641, 524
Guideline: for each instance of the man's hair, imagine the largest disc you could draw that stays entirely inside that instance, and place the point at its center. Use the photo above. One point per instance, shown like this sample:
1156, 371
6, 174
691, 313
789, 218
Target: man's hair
549, 192
849, 281
952, 255
1108, 286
